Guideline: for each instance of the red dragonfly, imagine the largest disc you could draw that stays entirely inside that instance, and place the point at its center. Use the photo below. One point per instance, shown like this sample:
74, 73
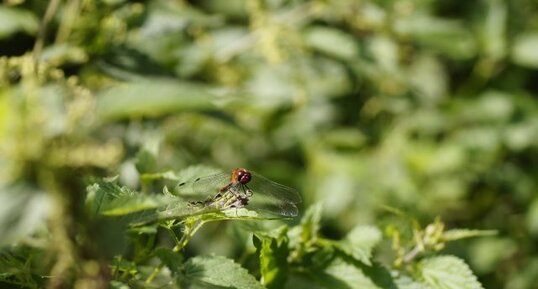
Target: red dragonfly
242, 188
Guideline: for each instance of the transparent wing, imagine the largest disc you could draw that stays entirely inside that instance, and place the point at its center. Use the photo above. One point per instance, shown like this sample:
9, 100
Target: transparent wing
178, 209
203, 186
265, 186
271, 197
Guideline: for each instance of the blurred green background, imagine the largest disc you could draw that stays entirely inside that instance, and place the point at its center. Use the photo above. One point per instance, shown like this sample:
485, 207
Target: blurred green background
427, 106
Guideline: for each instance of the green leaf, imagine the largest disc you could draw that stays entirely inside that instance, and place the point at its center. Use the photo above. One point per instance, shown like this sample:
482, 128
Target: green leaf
60, 54
450, 37
172, 260
121, 265
531, 217
405, 282
118, 285
273, 254
302, 281
219, 271
130, 204
146, 158
493, 29
457, 234
16, 266
23, 211
152, 98
360, 242
344, 275
487, 254
524, 50
107, 198
13, 20
333, 42
448, 272
310, 222
185, 175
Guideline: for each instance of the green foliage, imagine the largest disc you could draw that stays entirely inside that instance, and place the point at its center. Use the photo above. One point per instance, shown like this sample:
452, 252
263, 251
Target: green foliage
273, 254
130, 99
15, 20
219, 271
424, 107
447, 272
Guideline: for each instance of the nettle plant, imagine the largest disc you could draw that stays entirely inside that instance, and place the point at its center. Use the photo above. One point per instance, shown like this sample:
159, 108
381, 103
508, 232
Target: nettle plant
289, 256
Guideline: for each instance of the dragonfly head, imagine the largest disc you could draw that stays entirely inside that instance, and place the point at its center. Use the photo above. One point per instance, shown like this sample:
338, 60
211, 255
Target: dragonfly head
241, 175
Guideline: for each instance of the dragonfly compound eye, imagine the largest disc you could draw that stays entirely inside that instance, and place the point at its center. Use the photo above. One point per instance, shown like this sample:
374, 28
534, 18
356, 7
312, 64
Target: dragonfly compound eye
243, 176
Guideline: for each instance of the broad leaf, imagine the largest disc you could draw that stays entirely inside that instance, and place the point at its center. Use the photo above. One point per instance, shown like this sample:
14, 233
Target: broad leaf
273, 254
450, 37
343, 275
333, 42
360, 242
405, 282
448, 272
151, 98
524, 50
13, 20
108, 198
219, 271
310, 222
173, 260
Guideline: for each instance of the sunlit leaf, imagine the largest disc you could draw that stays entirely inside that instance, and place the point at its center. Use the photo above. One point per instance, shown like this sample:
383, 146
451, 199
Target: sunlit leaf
333, 42
343, 275
448, 272
360, 242
450, 37
219, 271
404, 282
273, 253
108, 198
13, 20
457, 234
524, 50
309, 228
493, 29
153, 98
486, 254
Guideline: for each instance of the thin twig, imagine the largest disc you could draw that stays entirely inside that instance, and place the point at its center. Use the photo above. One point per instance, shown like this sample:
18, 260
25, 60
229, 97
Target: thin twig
41, 33
190, 230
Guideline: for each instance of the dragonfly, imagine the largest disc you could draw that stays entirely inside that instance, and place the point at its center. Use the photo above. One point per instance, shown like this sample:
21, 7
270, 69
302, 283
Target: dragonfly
227, 191
224, 192
242, 188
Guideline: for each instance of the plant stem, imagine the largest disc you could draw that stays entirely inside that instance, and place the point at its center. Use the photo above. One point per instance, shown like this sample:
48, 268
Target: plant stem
413, 253
188, 232
41, 34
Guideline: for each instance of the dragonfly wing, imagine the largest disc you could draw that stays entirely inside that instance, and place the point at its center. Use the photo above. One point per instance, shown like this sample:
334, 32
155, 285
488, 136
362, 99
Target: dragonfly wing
203, 186
273, 197
272, 208
180, 211
272, 189
175, 210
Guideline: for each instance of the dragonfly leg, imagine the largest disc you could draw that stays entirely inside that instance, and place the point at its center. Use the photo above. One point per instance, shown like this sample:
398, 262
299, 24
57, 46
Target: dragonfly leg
248, 192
